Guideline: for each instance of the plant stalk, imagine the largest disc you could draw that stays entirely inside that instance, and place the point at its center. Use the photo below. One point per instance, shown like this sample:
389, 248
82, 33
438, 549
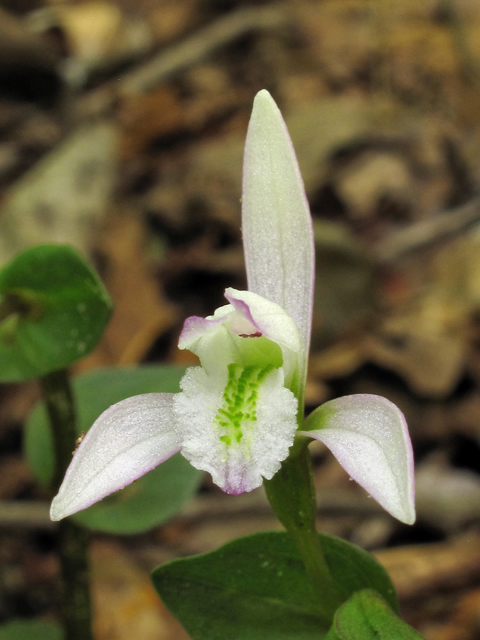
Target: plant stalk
291, 493
73, 540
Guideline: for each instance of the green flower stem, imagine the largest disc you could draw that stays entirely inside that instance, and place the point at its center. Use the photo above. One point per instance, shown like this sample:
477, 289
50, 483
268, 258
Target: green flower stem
73, 540
291, 494
77, 614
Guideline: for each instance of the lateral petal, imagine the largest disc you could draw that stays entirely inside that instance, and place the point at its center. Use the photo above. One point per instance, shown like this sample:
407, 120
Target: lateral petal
369, 437
127, 440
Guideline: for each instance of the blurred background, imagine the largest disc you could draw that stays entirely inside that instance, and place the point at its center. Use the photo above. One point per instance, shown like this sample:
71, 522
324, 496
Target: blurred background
122, 126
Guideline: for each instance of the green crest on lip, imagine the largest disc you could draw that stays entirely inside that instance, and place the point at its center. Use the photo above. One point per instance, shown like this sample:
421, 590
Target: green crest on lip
239, 401
257, 351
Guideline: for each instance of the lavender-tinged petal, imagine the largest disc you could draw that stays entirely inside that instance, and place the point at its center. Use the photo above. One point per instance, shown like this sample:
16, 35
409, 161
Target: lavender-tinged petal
276, 221
125, 442
212, 339
266, 317
195, 327
369, 437
273, 322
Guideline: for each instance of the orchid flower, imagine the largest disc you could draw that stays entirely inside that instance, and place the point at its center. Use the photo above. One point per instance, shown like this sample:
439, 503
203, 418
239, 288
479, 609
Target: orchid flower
237, 414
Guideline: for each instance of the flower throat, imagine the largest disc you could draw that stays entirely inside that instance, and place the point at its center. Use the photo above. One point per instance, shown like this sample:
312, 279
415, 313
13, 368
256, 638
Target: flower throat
239, 401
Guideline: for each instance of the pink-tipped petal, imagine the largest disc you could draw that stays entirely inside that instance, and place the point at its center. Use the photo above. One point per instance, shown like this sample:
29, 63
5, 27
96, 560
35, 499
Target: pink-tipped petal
369, 437
276, 221
209, 339
213, 339
125, 442
271, 321
268, 318
195, 327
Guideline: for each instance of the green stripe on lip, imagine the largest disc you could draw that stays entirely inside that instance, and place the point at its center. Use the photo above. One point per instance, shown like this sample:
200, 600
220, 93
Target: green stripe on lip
239, 401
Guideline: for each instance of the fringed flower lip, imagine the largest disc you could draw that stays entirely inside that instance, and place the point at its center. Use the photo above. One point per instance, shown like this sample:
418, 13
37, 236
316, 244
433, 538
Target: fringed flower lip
238, 414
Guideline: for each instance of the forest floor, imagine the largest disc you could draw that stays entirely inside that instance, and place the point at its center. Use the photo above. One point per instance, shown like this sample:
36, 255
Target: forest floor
122, 127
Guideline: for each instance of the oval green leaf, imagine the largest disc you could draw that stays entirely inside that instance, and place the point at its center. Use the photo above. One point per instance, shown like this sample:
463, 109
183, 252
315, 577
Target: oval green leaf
53, 311
366, 616
152, 499
256, 587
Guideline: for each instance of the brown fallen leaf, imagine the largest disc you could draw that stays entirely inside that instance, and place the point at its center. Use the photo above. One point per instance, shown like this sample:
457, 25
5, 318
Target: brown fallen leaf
172, 18
15, 476
64, 197
148, 117
447, 497
141, 313
418, 571
125, 602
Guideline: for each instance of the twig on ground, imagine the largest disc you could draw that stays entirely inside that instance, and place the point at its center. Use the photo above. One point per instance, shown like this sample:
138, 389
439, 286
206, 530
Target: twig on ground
182, 55
421, 235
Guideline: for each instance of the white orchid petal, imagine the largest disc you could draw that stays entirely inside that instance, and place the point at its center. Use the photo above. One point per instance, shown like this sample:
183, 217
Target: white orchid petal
267, 317
127, 440
271, 321
210, 339
369, 437
239, 465
276, 221
195, 327
213, 339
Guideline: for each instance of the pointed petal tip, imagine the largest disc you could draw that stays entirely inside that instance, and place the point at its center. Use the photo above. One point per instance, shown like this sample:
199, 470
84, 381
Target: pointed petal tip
264, 97
59, 510
56, 513
266, 115
125, 442
369, 437
407, 518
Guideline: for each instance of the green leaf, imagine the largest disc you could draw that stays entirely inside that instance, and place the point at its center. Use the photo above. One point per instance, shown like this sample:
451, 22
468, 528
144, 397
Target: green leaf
150, 500
366, 616
28, 629
256, 587
53, 310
